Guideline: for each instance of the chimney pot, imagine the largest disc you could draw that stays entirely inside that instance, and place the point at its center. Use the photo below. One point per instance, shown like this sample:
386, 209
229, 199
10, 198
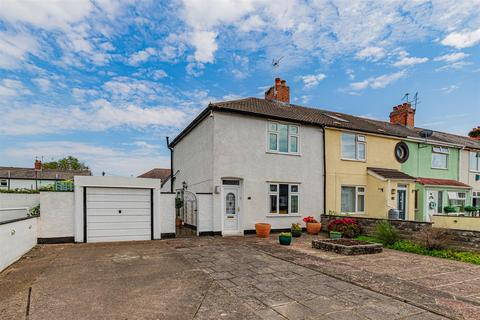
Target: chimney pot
279, 91
403, 114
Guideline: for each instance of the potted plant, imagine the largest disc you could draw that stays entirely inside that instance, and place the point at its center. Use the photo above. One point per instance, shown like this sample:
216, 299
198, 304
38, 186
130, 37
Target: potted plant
470, 209
449, 209
296, 230
348, 227
335, 234
313, 226
263, 229
285, 238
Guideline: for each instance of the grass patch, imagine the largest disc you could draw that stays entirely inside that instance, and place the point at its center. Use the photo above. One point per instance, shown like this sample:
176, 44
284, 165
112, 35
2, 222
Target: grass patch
412, 247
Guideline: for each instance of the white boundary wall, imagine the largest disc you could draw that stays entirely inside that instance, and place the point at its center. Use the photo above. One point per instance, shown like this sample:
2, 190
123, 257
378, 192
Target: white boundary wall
19, 200
16, 239
57, 211
167, 212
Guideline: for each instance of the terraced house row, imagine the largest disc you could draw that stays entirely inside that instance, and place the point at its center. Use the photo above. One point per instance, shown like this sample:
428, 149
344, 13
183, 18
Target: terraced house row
267, 160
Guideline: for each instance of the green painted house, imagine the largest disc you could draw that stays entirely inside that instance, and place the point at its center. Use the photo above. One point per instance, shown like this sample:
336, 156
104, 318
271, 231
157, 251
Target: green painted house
438, 190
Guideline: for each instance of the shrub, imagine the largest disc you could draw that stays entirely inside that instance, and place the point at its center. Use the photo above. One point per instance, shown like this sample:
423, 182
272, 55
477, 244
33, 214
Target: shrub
470, 209
433, 238
309, 219
286, 234
385, 232
19, 190
296, 227
34, 211
449, 209
347, 226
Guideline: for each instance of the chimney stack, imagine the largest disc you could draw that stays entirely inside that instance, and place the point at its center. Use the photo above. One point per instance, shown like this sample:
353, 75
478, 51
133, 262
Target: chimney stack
475, 133
403, 114
279, 91
38, 165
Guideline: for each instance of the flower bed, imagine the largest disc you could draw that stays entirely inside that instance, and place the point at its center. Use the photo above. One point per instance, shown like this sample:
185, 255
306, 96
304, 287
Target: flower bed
347, 246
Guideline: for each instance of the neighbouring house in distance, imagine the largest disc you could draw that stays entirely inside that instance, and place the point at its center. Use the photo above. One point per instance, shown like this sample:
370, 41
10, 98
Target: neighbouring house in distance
158, 173
12, 178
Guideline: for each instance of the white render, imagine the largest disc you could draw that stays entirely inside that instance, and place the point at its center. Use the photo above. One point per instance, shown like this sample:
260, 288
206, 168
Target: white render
27, 183
19, 200
466, 174
232, 146
57, 210
123, 183
16, 239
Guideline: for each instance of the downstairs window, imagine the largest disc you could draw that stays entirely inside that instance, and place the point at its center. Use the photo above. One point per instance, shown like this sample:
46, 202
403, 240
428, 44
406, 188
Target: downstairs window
283, 198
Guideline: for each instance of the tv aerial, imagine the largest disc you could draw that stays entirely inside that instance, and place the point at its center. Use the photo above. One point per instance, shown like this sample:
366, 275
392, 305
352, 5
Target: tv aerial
276, 62
413, 102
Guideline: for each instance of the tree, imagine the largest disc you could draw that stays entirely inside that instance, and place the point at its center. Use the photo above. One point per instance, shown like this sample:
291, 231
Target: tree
67, 163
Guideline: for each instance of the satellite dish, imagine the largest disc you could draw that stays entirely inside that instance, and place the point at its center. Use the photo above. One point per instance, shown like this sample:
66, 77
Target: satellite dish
426, 133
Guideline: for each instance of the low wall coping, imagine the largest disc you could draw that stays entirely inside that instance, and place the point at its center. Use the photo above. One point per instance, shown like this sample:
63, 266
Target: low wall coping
375, 219
16, 220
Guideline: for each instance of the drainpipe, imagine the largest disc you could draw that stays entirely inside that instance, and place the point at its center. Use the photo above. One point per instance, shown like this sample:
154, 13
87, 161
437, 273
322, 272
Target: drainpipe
171, 164
324, 175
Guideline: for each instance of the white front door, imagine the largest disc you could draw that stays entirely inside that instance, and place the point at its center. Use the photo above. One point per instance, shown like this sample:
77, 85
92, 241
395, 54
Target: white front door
231, 209
432, 203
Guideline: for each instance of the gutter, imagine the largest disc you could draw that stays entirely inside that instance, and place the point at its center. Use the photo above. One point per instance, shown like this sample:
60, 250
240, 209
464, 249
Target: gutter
171, 163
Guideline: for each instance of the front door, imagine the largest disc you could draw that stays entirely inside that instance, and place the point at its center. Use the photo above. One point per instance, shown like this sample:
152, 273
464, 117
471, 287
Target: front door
402, 202
231, 208
432, 203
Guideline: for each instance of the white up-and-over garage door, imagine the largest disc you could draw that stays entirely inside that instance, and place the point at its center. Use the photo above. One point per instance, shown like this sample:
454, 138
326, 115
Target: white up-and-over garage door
118, 214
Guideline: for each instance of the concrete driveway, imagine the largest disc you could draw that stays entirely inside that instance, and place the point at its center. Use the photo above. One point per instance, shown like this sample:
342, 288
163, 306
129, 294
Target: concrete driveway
200, 278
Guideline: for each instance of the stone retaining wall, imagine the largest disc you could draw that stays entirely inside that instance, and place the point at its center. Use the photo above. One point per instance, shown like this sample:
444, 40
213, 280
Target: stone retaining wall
460, 239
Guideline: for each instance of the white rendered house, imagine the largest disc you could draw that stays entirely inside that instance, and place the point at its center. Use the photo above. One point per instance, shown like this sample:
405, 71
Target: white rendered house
260, 159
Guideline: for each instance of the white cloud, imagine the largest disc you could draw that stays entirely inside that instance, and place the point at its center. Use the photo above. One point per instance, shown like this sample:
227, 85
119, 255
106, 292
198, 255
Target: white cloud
42, 83
409, 61
454, 66
159, 74
12, 88
377, 82
113, 161
464, 39
15, 48
311, 80
450, 88
452, 57
205, 44
141, 56
371, 54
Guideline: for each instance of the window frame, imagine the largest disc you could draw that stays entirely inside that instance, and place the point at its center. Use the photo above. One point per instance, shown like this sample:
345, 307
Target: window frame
360, 139
474, 154
444, 151
277, 194
357, 193
290, 135
2, 185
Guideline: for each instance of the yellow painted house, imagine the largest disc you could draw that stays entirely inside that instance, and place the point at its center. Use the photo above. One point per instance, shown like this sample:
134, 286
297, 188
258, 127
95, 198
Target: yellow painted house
363, 176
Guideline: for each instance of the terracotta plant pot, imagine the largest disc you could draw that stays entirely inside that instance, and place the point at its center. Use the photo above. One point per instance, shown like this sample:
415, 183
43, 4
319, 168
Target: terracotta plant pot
178, 222
263, 229
313, 227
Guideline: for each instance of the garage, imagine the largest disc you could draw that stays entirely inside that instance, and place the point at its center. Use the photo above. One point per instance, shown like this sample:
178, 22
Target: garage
118, 214
111, 209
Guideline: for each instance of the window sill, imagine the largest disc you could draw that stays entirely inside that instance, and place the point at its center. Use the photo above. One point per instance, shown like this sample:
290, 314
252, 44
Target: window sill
439, 168
284, 153
272, 215
353, 160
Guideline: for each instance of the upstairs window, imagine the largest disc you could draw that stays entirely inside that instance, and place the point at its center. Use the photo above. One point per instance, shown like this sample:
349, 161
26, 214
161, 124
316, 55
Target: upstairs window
354, 147
475, 161
282, 137
439, 158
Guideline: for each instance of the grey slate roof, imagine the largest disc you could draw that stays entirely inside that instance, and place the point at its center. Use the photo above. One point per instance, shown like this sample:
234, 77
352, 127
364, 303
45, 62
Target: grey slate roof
314, 116
45, 174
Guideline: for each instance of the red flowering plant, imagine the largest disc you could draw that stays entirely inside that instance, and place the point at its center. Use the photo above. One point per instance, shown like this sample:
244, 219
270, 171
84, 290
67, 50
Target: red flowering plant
309, 219
347, 226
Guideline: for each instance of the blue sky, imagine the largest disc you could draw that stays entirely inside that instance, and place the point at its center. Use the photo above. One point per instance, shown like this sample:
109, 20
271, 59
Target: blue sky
107, 81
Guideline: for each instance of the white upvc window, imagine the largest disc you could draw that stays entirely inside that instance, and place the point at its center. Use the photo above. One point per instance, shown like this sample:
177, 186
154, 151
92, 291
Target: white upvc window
283, 138
3, 183
283, 198
439, 158
476, 199
457, 199
354, 147
353, 199
474, 161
